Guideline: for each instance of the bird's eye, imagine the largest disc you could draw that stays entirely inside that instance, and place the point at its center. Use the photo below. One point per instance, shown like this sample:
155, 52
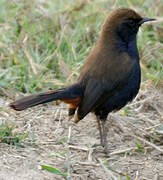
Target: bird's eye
131, 22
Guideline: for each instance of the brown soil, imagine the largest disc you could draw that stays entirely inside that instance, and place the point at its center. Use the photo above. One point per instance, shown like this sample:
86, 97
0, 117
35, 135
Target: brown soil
60, 143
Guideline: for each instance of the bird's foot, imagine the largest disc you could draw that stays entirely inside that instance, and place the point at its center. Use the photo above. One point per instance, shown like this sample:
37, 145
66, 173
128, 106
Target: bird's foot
104, 150
96, 145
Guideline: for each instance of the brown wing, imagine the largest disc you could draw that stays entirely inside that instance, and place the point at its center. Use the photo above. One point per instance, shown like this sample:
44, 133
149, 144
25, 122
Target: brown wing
102, 81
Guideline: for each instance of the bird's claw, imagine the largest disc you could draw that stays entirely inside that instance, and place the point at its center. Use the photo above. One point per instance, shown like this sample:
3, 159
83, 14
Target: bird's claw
106, 152
96, 145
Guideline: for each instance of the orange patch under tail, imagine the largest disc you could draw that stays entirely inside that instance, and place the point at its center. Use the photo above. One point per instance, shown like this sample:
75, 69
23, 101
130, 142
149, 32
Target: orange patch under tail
73, 102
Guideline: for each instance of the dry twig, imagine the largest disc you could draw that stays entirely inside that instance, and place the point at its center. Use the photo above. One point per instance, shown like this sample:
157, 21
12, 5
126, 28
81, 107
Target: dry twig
110, 175
123, 151
68, 156
88, 164
148, 143
78, 148
30, 61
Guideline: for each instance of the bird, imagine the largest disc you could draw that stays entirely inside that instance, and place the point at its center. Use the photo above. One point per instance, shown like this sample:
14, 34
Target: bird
110, 76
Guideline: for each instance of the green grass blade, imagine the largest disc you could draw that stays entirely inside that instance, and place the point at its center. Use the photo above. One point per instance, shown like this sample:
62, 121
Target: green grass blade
53, 170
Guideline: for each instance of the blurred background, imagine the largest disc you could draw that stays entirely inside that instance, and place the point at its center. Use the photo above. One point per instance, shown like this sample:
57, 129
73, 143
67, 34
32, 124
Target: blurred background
43, 43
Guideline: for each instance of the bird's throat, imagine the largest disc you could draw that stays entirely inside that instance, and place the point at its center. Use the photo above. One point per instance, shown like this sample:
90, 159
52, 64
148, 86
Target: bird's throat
127, 45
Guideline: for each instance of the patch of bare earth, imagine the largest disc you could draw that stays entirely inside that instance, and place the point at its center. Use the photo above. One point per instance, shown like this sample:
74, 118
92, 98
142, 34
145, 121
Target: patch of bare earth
55, 141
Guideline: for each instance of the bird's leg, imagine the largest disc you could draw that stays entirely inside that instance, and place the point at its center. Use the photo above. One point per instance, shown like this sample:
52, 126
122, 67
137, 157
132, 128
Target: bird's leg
102, 131
104, 136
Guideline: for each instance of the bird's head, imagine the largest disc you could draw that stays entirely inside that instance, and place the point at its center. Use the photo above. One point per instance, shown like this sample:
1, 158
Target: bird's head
125, 23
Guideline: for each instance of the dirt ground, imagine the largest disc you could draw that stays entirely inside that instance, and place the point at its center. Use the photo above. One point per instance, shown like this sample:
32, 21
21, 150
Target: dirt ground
55, 141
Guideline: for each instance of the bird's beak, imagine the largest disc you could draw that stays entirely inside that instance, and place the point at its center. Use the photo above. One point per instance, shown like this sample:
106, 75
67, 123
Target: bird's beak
146, 19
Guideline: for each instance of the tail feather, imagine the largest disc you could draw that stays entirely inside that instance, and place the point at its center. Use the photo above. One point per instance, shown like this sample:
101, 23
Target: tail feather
33, 100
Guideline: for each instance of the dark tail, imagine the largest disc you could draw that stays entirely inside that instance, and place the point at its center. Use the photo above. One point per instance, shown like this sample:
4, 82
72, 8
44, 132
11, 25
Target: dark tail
70, 92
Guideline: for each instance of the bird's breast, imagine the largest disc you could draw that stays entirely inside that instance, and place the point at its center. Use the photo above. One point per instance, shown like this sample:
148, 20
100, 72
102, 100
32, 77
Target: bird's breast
124, 95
